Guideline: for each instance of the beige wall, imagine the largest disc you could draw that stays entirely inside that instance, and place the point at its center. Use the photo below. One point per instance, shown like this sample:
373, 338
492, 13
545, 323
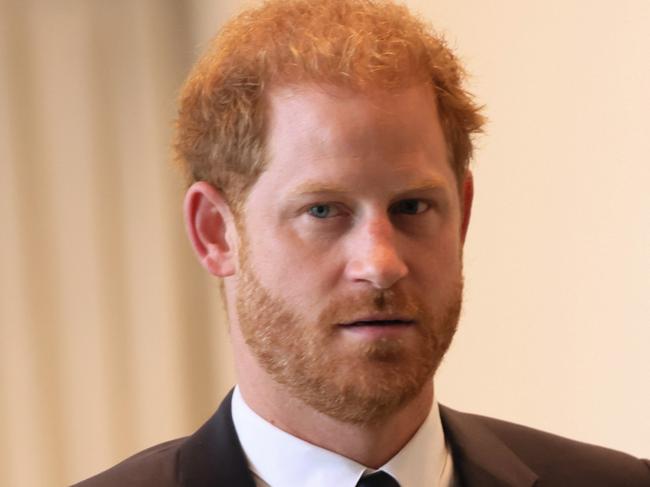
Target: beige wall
557, 320
111, 337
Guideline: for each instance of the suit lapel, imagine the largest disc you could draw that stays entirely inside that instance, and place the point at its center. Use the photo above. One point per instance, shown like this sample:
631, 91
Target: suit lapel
480, 458
213, 457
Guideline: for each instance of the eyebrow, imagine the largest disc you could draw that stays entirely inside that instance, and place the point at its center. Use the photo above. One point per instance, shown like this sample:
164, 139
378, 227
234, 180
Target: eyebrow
312, 187
432, 184
317, 187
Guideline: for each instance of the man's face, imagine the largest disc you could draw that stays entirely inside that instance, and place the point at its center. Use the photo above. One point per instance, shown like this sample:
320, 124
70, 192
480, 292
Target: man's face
349, 285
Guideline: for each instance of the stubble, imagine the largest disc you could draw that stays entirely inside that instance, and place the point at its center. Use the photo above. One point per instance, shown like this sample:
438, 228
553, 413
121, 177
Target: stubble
359, 382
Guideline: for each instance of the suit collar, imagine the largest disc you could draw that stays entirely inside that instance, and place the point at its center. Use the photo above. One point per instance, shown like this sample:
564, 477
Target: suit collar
480, 457
213, 455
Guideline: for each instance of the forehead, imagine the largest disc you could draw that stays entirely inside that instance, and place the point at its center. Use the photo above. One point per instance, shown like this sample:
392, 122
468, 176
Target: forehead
333, 136
324, 114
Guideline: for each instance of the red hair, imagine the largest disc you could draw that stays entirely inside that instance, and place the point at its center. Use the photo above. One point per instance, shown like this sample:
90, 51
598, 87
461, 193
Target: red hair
361, 44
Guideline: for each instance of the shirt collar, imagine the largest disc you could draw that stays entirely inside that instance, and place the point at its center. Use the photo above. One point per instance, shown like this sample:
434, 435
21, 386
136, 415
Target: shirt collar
281, 459
425, 458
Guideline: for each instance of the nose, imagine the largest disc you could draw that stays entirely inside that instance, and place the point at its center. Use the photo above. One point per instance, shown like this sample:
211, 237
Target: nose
374, 257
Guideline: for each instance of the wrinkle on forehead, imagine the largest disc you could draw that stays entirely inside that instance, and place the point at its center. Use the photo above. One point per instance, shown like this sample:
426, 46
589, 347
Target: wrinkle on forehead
320, 187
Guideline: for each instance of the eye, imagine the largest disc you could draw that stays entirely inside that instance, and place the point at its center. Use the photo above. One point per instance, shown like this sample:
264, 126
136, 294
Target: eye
410, 207
323, 210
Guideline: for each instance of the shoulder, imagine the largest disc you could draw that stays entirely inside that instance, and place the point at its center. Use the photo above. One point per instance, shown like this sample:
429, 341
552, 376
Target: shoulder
548, 452
157, 465
559, 460
212, 455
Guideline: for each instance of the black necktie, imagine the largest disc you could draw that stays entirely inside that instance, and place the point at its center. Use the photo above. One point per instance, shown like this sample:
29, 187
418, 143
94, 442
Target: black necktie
377, 479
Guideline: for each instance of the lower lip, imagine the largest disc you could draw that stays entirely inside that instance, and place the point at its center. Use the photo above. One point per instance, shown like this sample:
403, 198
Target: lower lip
386, 330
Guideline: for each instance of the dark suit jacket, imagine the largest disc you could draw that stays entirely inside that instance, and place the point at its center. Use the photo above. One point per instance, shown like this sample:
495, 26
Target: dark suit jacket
486, 452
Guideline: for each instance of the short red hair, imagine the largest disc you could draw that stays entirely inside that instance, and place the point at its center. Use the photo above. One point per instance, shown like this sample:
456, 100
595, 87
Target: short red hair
361, 44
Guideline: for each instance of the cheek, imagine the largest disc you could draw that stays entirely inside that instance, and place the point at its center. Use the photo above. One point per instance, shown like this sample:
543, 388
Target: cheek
437, 262
293, 266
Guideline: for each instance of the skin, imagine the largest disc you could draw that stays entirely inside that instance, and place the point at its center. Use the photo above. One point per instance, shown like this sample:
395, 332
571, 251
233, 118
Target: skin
358, 197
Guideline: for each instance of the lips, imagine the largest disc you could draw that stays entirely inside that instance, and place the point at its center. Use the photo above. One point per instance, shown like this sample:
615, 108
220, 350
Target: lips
379, 322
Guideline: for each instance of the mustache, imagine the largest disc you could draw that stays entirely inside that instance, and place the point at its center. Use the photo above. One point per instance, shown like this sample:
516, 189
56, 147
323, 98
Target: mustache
386, 301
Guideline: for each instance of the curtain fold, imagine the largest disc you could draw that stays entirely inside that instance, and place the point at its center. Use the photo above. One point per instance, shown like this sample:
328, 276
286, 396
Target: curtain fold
111, 334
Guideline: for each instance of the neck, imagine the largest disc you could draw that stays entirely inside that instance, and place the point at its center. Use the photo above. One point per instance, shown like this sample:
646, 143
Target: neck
370, 445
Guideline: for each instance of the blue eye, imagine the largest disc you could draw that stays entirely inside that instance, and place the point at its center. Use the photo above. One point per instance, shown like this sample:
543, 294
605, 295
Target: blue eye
320, 211
409, 207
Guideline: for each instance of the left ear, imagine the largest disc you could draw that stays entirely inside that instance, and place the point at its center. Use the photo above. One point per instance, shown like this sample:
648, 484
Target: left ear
210, 226
467, 196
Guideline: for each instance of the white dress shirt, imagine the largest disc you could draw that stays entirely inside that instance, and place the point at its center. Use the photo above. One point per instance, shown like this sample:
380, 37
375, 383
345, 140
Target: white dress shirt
278, 459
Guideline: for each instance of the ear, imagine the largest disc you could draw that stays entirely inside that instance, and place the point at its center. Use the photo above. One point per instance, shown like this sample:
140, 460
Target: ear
467, 196
211, 228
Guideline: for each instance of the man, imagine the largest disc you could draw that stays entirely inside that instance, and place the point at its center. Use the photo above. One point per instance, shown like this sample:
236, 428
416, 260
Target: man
328, 145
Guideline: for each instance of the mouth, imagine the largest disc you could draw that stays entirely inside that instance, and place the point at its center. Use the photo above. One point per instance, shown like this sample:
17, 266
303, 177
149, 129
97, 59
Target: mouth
374, 328
379, 322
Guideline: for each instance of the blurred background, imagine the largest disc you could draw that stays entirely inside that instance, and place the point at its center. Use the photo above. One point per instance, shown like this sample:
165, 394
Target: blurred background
112, 338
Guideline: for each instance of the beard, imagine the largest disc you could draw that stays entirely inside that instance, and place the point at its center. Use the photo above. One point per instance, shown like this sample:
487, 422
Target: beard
350, 381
